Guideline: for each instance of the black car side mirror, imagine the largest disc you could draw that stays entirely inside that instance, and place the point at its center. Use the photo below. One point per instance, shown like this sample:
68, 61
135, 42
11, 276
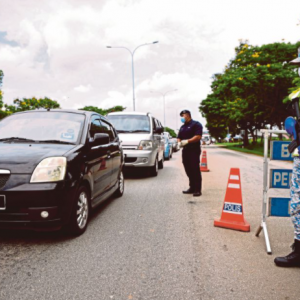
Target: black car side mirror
100, 139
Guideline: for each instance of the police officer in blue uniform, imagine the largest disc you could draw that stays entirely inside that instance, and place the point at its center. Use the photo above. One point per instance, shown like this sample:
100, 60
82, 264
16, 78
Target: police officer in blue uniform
292, 126
189, 137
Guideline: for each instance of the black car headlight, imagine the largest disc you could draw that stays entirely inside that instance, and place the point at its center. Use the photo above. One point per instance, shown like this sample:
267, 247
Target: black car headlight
50, 169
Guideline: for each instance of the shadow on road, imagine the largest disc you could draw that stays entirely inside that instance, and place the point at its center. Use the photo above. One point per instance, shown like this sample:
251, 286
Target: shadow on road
136, 173
14, 236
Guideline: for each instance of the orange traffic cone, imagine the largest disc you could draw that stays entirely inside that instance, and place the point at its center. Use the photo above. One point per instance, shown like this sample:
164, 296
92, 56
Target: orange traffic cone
232, 215
203, 165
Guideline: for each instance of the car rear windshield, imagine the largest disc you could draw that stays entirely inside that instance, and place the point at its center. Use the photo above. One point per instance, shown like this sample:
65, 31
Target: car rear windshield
130, 123
43, 126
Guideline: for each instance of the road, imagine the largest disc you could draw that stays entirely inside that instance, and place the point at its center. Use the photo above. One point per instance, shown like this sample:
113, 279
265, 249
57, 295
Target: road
156, 243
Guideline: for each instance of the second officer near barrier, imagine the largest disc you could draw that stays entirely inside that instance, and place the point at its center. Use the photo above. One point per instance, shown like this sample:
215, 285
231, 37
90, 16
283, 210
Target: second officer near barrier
189, 137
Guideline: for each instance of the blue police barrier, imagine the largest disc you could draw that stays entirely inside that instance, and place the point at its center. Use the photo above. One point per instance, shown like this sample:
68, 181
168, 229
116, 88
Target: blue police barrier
279, 151
280, 178
279, 207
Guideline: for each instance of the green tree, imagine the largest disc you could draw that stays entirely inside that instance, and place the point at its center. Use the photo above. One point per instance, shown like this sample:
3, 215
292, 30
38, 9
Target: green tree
171, 131
3, 113
1, 78
103, 112
31, 104
249, 93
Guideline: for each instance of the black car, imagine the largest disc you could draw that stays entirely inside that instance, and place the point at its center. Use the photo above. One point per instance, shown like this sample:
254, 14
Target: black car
55, 166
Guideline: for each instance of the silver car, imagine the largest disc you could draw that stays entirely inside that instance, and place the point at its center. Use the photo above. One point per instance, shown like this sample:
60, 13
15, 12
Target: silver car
175, 144
142, 139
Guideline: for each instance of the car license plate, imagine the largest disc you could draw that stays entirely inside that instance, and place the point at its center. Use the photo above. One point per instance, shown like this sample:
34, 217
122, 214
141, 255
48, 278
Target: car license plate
2, 203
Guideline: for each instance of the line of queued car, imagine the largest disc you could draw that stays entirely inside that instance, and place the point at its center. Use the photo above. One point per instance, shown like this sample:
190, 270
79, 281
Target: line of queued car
171, 145
144, 142
57, 165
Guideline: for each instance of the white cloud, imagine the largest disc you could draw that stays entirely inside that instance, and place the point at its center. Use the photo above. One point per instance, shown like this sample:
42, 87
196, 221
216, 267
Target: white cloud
62, 52
83, 88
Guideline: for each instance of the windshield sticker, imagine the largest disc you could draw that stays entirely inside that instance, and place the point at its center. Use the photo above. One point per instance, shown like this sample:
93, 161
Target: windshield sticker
67, 136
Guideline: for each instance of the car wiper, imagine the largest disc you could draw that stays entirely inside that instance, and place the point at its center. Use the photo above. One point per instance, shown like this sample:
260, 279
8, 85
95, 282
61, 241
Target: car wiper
56, 142
17, 139
132, 131
122, 131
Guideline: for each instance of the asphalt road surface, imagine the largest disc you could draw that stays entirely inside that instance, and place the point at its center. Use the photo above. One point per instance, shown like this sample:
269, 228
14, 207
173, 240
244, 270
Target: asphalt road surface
156, 243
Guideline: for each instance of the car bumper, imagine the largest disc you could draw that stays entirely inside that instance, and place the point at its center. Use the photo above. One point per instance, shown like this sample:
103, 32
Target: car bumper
139, 158
24, 204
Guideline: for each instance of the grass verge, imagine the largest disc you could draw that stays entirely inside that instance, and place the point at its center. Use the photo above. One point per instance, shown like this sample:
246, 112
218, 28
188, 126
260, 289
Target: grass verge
257, 149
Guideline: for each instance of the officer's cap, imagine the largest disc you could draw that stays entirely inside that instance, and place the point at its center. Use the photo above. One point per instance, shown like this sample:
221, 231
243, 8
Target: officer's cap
185, 111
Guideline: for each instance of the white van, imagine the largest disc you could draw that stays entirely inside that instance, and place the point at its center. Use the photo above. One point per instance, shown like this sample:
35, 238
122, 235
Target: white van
142, 139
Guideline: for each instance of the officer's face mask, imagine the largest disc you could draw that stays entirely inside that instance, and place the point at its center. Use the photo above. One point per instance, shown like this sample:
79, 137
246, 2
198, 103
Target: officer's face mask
182, 119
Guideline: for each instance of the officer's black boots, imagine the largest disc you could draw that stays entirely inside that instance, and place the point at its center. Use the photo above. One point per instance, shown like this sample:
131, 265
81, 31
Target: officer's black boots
292, 260
189, 191
192, 191
197, 194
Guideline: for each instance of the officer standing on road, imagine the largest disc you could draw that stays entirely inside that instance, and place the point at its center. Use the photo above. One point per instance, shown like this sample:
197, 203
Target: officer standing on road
292, 127
189, 137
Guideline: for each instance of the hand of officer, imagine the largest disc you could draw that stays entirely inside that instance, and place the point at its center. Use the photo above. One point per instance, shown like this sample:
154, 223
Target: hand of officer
183, 143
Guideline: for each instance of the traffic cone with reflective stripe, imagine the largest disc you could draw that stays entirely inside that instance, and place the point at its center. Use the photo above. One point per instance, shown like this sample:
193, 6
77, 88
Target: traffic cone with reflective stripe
233, 215
203, 165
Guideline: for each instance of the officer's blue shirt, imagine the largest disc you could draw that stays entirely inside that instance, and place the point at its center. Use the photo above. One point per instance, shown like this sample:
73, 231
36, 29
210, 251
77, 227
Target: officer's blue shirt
188, 131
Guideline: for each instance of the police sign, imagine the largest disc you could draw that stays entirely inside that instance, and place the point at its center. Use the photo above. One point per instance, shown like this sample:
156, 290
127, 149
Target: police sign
279, 151
233, 208
279, 207
280, 178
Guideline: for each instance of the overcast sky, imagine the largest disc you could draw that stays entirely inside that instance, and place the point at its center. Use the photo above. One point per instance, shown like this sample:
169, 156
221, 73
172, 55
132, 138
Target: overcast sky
58, 48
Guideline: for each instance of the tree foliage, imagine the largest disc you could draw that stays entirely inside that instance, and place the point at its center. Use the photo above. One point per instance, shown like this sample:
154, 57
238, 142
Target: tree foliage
103, 112
250, 92
31, 104
171, 131
3, 113
1, 78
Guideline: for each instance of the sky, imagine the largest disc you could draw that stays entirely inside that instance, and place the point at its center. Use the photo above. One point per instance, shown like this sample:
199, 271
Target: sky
58, 49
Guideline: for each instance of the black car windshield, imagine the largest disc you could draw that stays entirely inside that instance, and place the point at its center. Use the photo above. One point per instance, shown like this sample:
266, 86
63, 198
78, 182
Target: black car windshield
130, 123
48, 126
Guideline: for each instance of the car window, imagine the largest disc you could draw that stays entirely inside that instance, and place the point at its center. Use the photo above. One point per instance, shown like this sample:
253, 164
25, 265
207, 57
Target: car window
95, 126
106, 128
130, 123
157, 123
43, 126
154, 125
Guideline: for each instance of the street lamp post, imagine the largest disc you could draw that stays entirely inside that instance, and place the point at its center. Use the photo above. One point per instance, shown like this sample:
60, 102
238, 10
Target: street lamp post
164, 95
132, 65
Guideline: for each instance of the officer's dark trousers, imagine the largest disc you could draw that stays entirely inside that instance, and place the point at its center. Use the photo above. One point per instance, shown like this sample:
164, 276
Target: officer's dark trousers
191, 162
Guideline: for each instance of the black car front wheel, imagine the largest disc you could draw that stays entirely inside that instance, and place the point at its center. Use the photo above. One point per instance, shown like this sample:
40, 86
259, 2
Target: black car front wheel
80, 213
120, 191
